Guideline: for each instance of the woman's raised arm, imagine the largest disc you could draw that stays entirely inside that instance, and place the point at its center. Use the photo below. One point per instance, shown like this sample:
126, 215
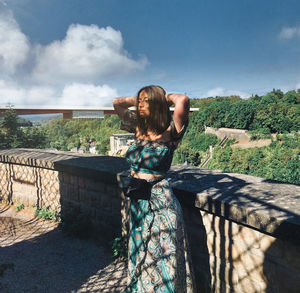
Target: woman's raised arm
181, 111
122, 104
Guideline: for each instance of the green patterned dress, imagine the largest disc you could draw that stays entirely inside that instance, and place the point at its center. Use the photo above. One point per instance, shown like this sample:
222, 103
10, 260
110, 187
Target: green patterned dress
158, 254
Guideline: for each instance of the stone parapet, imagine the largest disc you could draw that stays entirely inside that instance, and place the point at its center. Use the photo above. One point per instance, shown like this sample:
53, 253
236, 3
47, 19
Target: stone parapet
64, 182
269, 206
243, 231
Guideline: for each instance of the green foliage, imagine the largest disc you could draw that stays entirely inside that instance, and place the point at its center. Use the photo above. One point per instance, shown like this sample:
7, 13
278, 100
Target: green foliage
280, 161
45, 213
64, 134
239, 115
119, 248
193, 148
202, 141
184, 153
21, 122
19, 207
215, 114
261, 133
13, 136
276, 111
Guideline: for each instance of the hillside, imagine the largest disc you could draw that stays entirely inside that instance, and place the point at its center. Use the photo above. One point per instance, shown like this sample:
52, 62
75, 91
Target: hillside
262, 116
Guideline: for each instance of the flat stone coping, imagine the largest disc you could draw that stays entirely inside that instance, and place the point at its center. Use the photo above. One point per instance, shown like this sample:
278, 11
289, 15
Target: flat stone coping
98, 167
269, 206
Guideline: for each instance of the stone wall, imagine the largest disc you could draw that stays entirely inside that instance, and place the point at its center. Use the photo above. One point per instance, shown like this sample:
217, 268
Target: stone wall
63, 182
243, 231
238, 134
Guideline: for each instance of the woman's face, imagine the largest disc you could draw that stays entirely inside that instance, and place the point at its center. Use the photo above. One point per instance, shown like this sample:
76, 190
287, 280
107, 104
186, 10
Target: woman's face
143, 107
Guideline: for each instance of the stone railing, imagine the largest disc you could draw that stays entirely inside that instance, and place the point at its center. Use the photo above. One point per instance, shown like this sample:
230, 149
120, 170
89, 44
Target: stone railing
244, 231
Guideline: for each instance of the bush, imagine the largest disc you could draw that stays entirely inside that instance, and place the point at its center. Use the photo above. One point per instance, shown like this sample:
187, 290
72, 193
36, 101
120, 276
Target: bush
261, 133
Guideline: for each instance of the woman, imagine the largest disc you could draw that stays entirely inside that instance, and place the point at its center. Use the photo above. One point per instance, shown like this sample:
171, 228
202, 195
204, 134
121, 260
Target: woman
158, 258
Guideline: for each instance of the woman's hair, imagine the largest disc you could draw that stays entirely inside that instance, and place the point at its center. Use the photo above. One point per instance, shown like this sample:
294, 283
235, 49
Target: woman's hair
160, 116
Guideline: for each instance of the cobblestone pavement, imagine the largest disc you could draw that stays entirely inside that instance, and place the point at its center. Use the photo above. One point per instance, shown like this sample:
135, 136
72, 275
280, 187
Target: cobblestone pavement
36, 256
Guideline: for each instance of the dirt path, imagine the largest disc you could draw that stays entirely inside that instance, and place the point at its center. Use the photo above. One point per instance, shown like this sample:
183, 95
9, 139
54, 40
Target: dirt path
246, 144
36, 256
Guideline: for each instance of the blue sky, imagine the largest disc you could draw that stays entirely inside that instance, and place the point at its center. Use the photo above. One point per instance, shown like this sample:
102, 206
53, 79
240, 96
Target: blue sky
85, 52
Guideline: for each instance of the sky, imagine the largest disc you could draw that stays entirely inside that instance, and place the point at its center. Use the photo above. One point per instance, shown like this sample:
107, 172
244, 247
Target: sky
86, 52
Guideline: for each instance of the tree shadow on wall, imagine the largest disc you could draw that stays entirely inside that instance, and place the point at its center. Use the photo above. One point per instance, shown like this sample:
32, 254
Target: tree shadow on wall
227, 256
76, 266
213, 263
36, 255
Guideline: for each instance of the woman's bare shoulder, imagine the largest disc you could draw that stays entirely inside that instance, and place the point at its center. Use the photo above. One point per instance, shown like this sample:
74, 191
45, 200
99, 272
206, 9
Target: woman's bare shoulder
163, 137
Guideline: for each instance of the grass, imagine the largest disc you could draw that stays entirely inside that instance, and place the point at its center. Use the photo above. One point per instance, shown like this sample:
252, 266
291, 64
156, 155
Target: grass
19, 207
46, 214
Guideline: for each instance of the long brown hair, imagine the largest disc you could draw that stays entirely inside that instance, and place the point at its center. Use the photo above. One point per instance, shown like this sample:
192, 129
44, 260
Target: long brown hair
160, 116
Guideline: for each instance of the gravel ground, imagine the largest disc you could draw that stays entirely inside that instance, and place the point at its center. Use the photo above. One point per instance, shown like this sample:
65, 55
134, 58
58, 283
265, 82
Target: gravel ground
36, 256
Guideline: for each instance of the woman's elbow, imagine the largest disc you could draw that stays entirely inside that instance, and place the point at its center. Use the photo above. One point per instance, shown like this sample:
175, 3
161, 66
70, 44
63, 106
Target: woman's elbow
185, 99
115, 101
186, 102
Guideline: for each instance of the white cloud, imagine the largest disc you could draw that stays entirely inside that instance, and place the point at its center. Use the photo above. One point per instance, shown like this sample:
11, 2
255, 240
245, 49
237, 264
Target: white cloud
74, 95
221, 92
289, 32
86, 54
87, 95
65, 72
11, 92
14, 45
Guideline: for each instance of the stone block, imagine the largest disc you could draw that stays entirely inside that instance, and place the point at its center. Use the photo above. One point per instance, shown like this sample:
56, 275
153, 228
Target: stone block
292, 255
265, 242
83, 195
247, 240
64, 190
262, 222
94, 199
192, 216
74, 180
288, 280
254, 266
276, 249
270, 274
82, 182
24, 174
24, 193
66, 178
95, 185
47, 174
112, 190
74, 192
247, 285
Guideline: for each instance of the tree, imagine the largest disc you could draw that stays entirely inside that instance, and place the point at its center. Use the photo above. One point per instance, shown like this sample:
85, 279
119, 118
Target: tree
9, 128
240, 115
12, 136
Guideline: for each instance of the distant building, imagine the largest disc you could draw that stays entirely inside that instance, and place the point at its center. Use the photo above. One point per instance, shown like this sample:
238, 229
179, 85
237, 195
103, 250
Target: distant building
119, 143
82, 149
93, 147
